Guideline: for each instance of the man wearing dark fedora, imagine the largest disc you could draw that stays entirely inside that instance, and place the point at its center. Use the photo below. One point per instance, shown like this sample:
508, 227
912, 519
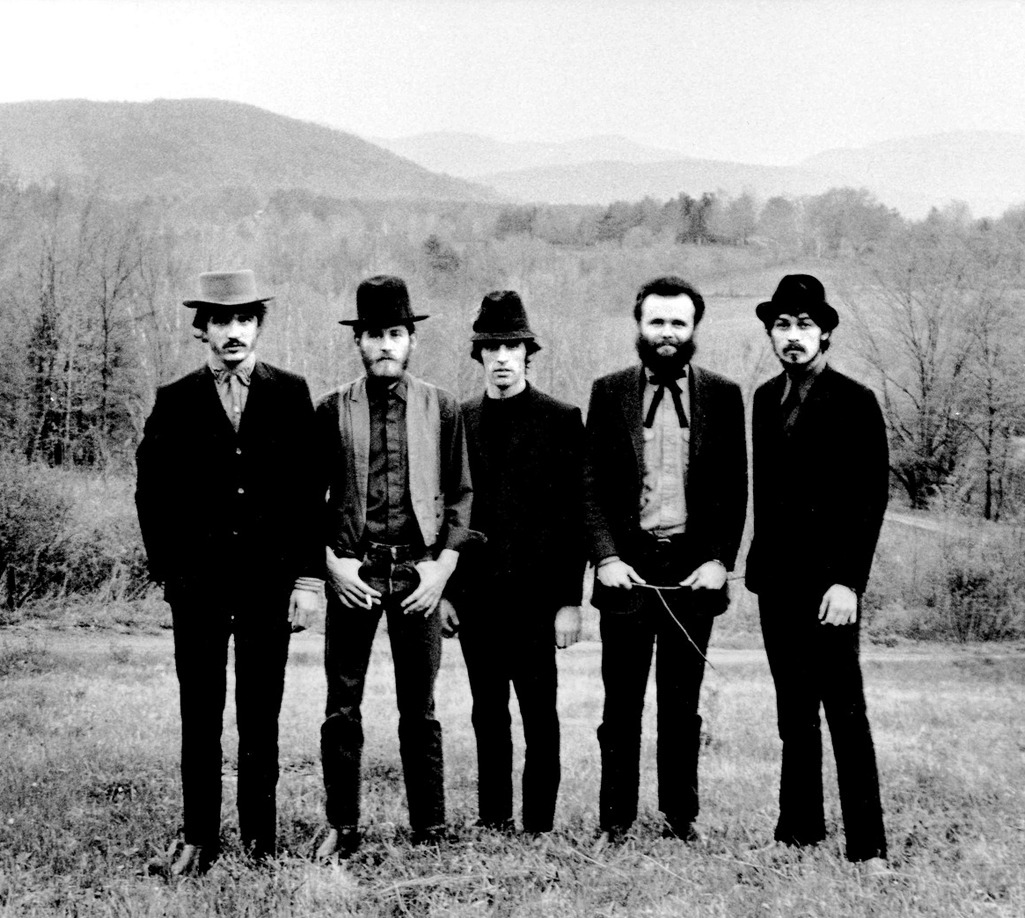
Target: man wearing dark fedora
517, 595
398, 513
665, 492
821, 480
230, 516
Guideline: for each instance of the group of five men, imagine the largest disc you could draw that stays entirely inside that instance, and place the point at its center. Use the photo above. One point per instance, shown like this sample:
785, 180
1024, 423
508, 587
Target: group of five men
479, 520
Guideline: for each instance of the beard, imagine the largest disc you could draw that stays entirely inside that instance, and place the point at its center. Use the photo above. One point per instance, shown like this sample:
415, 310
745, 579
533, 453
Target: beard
666, 366
386, 369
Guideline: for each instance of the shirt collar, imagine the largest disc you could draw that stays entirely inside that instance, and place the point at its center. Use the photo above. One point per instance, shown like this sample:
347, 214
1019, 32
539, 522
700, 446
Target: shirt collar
652, 380
243, 372
806, 381
378, 389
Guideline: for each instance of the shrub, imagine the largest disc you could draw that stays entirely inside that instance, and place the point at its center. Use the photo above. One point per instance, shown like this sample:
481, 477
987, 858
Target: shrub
65, 533
34, 510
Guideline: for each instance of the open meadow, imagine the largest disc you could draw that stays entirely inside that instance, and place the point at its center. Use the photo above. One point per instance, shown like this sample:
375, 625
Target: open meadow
89, 794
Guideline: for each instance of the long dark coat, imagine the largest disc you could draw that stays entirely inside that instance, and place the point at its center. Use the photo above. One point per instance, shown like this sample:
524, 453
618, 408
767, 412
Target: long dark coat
819, 491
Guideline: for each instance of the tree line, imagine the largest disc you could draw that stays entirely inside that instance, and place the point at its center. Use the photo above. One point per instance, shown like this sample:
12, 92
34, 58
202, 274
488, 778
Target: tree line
91, 321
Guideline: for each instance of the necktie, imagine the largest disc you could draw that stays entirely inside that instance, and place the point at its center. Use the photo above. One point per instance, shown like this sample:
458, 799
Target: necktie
789, 408
674, 391
234, 381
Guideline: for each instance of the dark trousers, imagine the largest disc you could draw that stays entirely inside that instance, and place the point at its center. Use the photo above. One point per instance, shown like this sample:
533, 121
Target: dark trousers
416, 653
628, 641
201, 633
815, 665
502, 648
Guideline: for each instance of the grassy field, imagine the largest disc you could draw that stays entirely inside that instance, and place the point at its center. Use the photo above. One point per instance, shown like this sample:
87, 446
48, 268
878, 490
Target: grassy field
89, 794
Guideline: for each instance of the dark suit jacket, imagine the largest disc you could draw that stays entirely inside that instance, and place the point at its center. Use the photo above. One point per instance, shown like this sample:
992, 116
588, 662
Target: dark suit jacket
819, 492
542, 549
614, 470
210, 498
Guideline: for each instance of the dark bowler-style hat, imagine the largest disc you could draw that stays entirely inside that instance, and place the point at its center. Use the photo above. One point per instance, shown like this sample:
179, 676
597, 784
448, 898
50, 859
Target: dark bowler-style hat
227, 289
503, 317
382, 301
799, 293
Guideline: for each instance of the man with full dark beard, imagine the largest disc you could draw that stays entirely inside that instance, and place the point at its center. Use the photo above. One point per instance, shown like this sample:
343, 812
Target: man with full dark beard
665, 492
398, 512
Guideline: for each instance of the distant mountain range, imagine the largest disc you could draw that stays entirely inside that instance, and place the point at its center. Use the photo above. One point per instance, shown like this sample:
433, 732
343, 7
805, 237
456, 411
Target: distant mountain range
984, 169
181, 147
186, 146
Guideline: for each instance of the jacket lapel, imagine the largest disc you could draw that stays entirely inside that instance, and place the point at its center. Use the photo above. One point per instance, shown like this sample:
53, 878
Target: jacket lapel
698, 384
633, 409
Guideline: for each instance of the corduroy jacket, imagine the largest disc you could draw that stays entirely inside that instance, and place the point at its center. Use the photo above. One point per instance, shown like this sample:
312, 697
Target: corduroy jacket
716, 487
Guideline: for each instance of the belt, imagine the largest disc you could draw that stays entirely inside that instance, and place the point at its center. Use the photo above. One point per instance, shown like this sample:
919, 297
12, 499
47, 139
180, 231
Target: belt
397, 554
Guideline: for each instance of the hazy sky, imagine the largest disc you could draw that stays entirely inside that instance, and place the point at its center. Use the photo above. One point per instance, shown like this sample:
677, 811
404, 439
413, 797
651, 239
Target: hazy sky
762, 82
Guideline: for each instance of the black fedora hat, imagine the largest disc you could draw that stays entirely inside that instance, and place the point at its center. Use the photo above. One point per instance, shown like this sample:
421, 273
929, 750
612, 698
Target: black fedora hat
503, 317
382, 301
799, 293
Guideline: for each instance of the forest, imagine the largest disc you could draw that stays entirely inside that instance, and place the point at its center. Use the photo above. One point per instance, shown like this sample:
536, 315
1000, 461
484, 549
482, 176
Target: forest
91, 320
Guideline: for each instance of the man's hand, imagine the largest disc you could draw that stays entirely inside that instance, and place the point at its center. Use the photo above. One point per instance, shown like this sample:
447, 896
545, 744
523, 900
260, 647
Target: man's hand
618, 574
839, 606
304, 607
709, 576
449, 618
567, 626
343, 575
433, 577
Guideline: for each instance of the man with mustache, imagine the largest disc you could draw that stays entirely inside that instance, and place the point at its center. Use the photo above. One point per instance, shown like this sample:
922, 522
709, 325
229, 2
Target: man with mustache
398, 512
821, 481
665, 494
230, 515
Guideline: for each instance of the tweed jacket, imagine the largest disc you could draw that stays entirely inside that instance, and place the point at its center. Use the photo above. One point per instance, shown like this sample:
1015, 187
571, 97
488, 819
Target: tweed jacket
209, 497
820, 491
438, 474
716, 487
544, 552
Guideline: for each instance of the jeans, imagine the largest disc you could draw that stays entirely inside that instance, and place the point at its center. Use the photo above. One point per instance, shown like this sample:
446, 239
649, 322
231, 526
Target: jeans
416, 652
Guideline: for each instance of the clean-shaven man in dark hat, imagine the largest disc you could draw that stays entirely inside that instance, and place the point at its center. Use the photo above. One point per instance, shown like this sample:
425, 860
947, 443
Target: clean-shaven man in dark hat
821, 482
230, 515
398, 513
665, 492
517, 596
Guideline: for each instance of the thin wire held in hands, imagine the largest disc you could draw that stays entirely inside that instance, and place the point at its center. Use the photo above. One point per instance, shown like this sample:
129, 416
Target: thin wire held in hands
658, 590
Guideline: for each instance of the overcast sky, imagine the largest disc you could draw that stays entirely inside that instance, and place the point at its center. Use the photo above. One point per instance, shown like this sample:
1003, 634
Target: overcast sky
759, 82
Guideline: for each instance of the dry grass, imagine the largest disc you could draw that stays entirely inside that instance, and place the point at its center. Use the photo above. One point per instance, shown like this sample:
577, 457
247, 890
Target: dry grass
89, 793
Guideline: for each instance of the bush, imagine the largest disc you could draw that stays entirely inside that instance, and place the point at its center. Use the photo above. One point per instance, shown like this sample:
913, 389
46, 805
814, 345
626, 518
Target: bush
983, 592
34, 510
947, 579
66, 534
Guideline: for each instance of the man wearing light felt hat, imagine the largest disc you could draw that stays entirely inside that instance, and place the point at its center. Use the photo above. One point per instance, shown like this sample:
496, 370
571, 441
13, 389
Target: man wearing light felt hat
229, 510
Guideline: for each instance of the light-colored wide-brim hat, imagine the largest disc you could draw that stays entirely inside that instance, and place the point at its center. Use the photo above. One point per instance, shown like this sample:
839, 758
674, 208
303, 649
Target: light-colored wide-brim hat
227, 288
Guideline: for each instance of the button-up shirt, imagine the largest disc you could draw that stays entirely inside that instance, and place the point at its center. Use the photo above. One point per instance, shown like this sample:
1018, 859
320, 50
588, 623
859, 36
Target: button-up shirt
233, 386
390, 517
663, 507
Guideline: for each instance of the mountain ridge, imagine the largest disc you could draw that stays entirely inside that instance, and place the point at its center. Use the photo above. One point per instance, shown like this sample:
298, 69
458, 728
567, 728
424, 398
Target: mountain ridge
176, 146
